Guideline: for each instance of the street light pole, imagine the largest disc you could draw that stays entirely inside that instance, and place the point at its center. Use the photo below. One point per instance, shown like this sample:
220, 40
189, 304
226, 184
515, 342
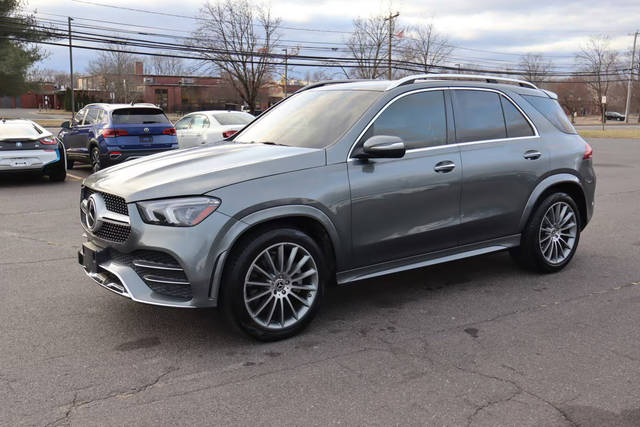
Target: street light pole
633, 56
73, 104
286, 67
390, 18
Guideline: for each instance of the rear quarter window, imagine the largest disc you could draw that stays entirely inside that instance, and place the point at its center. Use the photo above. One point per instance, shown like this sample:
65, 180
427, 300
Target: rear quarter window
552, 111
138, 116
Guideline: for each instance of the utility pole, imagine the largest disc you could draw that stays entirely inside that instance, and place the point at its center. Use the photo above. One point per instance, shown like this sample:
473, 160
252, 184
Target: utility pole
286, 67
390, 18
73, 104
633, 56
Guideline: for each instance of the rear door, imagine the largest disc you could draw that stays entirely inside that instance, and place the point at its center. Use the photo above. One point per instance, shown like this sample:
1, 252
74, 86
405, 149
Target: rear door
407, 206
502, 161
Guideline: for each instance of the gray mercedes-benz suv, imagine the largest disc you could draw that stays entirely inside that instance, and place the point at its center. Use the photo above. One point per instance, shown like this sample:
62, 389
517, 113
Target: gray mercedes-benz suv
340, 182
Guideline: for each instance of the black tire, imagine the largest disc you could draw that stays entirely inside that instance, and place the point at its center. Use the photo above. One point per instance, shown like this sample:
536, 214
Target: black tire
243, 256
94, 159
57, 171
70, 163
530, 254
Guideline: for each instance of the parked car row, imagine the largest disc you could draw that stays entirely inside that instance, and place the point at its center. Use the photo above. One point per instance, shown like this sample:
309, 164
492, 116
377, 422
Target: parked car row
106, 134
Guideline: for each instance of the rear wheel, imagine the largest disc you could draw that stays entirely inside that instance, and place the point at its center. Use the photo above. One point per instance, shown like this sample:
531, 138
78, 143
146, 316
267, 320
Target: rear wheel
96, 162
551, 237
274, 283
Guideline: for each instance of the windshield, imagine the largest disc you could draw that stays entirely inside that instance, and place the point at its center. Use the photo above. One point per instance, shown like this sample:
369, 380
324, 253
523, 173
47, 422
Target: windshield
226, 119
312, 119
125, 116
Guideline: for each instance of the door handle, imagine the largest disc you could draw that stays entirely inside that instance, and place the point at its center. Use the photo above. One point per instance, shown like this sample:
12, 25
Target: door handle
532, 154
445, 166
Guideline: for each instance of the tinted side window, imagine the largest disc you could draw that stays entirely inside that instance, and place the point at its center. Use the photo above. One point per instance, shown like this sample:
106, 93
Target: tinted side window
478, 115
79, 117
552, 111
517, 125
418, 119
199, 122
184, 123
91, 117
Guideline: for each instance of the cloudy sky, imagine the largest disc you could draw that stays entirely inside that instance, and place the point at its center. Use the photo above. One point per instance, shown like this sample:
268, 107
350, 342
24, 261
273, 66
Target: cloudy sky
483, 31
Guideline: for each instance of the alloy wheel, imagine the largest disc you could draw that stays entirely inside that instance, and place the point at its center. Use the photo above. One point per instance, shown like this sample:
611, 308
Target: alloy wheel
281, 285
558, 232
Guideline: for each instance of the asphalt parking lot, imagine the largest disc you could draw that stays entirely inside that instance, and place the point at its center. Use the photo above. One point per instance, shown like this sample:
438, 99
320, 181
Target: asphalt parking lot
473, 342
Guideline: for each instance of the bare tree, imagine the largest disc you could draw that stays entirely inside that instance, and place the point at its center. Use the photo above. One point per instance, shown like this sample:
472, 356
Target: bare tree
46, 75
166, 66
535, 68
369, 45
426, 47
239, 38
113, 70
599, 62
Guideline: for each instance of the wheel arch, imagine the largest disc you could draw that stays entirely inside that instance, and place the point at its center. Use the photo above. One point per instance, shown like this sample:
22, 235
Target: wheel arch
305, 218
563, 182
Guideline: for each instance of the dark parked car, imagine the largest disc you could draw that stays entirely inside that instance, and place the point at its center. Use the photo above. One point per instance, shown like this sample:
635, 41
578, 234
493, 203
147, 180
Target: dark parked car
105, 134
613, 115
25, 146
340, 182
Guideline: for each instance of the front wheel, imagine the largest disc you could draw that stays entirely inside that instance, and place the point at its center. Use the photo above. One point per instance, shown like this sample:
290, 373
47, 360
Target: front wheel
551, 236
274, 283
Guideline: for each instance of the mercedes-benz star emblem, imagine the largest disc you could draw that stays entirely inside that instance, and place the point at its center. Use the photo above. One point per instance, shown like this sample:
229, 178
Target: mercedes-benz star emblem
93, 209
146, 130
18, 144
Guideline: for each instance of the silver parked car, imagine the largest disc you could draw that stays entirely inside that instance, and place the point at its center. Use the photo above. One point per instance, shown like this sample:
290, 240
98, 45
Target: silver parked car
210, 126
25, 146
342, 181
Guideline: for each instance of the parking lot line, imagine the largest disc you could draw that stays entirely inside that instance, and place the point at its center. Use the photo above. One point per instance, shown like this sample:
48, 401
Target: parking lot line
77, 178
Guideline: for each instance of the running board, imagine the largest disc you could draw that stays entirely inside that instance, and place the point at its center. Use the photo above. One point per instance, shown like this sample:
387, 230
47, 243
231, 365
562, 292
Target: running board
432, 258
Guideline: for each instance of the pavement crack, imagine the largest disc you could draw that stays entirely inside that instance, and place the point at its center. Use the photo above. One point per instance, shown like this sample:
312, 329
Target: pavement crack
520, 390
74, 405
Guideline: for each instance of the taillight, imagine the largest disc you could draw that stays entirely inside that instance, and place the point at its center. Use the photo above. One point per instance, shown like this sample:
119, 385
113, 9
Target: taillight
228, 133
169, 131
588, 152
112, 133
49, 140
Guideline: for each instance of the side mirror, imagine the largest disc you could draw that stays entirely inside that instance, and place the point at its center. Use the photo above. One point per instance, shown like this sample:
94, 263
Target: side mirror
381, 147
66, 125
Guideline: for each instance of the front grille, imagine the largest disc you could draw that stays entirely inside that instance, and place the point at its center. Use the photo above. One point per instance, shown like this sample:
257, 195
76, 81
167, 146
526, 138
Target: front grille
114, 203
108, 231
160, 271
113, 232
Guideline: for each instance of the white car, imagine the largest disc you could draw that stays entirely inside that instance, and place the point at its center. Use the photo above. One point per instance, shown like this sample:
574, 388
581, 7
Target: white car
209, 126
27, 146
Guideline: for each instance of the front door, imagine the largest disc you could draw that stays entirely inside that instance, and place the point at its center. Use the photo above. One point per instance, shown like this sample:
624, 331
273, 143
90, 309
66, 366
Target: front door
407, 206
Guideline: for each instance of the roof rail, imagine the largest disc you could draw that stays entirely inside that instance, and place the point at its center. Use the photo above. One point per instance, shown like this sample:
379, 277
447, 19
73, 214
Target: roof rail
328, 82
435, 76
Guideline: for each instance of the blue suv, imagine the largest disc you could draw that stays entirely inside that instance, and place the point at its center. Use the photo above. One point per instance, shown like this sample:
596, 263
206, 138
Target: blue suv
105, 134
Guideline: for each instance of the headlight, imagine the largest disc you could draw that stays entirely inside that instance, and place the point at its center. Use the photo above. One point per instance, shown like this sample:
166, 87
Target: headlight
182, 212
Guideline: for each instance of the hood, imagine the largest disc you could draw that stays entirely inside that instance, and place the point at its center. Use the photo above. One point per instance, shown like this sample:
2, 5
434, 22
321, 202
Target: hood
201, 169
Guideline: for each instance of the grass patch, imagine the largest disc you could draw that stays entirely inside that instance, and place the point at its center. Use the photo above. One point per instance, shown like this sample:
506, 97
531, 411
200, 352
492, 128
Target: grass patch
610, 133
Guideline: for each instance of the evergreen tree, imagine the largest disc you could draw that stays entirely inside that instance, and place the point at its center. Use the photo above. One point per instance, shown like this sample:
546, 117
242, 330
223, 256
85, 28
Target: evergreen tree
18, 33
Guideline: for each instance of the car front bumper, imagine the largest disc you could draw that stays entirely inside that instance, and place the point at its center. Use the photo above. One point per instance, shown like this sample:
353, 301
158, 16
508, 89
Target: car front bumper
195, 258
